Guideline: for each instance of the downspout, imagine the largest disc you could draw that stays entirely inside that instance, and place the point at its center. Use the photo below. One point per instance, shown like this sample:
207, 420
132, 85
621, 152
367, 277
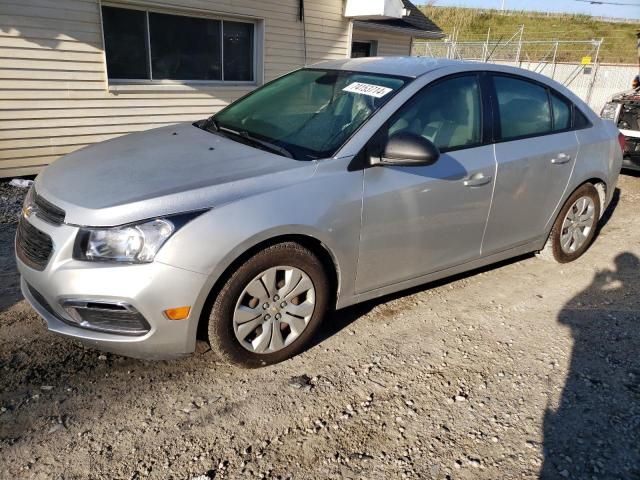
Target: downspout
304, 30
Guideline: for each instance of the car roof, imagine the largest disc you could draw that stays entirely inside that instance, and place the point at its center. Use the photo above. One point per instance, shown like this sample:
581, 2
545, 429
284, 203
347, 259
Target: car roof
412, 67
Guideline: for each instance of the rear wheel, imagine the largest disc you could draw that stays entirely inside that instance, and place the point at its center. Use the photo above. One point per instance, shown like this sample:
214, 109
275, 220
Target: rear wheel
575, 227
270, 308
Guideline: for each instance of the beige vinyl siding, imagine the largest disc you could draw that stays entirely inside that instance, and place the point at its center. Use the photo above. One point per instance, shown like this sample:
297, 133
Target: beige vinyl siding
55, 97
389, 44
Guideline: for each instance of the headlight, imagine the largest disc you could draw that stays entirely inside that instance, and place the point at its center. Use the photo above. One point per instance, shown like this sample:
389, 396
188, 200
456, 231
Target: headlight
28, 204
131, 243
609, 111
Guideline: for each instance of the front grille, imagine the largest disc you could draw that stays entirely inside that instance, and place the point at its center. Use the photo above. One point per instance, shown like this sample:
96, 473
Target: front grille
47, 211
33, 246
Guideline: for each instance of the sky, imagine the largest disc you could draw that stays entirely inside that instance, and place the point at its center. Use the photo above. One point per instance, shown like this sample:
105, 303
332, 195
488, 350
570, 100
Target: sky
631, 11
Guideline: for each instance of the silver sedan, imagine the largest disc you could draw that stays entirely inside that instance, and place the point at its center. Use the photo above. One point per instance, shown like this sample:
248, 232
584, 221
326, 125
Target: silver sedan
332, 185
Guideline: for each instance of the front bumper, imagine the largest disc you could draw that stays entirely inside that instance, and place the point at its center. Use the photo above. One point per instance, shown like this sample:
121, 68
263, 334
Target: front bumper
149, 288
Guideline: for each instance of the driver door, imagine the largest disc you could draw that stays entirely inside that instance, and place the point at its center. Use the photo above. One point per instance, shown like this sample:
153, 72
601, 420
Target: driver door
421, 219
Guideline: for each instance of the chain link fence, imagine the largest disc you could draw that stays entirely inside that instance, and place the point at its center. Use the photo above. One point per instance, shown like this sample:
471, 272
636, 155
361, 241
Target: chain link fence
573, 63
511, 48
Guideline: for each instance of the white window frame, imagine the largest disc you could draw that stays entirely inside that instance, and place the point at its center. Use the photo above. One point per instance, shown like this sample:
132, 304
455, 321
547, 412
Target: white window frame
258, 48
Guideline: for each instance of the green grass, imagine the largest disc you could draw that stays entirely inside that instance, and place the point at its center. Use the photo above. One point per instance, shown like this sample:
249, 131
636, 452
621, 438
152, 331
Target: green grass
472, 24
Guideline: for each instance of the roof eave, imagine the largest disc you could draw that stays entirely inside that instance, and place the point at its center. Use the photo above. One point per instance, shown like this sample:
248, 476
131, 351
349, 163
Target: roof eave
414, 32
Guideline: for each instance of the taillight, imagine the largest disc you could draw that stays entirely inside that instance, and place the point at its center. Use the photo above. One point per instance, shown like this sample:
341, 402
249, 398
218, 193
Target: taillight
622, 141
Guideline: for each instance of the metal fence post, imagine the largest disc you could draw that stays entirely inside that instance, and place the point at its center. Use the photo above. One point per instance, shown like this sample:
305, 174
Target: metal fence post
598, 50
555, 54
592, 83
519, 45
595, 71
485, 54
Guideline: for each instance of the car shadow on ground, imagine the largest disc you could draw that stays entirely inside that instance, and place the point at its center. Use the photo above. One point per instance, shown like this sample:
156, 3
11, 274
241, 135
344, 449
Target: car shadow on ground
338, 320
608, 213
595, 430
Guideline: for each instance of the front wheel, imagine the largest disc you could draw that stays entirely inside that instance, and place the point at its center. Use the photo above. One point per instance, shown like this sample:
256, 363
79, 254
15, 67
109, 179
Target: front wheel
270, 307
575, 227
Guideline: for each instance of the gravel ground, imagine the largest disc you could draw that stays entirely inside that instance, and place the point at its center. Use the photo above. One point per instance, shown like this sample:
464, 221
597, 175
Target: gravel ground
524, 370
11, 199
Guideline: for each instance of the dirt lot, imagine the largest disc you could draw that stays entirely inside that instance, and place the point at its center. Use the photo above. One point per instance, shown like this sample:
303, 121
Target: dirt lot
525, 370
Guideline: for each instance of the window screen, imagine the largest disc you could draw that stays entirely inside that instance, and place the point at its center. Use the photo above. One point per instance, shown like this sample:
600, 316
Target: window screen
561, 113
524, 108
238, 51
125, 38
179, 47
184, 48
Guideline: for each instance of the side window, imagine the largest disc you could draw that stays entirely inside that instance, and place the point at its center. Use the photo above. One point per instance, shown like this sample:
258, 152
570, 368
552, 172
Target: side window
561, 113
523, 106
447, 113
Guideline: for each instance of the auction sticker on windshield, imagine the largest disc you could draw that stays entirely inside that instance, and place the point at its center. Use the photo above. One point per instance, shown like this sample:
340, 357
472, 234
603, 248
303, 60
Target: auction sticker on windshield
367, 89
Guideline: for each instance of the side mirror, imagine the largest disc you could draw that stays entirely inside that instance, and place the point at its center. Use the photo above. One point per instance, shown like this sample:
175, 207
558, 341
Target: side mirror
408, 149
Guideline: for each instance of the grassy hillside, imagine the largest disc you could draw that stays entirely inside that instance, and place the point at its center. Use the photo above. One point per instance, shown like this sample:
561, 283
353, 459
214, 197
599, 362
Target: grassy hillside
619, 38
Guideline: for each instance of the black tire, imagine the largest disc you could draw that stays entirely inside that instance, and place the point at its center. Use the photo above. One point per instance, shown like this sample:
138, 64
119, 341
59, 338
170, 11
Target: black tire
220, 329
553, 248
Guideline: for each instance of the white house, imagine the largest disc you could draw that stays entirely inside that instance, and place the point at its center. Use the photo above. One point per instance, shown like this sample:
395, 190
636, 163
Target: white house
74, 72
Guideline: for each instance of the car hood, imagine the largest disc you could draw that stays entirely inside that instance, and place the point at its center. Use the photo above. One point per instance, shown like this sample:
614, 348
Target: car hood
626, 96
159, 172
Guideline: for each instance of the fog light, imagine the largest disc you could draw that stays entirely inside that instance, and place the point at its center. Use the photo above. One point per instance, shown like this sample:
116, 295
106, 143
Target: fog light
118, 318
178, 313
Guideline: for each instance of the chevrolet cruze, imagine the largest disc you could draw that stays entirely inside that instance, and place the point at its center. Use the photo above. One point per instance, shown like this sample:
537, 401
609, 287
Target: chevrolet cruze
332, 185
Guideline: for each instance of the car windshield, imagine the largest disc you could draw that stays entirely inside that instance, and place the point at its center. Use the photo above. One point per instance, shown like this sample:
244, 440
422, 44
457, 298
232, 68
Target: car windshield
309, 113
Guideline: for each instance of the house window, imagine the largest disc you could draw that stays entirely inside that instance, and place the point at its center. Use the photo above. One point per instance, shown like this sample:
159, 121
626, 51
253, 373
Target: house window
363, 49
142, 45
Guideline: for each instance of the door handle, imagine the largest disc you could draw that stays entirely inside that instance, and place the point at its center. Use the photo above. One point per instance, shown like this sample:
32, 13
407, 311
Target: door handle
477, 181
561, 158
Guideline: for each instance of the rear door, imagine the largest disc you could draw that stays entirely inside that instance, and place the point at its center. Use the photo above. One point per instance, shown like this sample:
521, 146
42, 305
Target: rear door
535, 151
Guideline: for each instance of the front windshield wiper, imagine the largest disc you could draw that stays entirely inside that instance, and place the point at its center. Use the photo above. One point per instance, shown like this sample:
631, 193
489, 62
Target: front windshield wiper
243, 134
